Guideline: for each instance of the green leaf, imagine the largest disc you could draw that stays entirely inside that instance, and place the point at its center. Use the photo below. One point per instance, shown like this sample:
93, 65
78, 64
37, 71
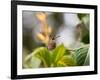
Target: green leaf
58, 53
67, 60
87, 60
44, 56
81, 55
34, 60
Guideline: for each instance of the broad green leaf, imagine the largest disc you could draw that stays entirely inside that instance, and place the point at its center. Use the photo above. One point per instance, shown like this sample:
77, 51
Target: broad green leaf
37, 50
44, 56
81, 55
31, 61
58, 53
67, 60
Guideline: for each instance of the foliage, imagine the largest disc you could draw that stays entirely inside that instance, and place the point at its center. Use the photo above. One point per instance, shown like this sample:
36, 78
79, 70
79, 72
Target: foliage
58, 57
82, 56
